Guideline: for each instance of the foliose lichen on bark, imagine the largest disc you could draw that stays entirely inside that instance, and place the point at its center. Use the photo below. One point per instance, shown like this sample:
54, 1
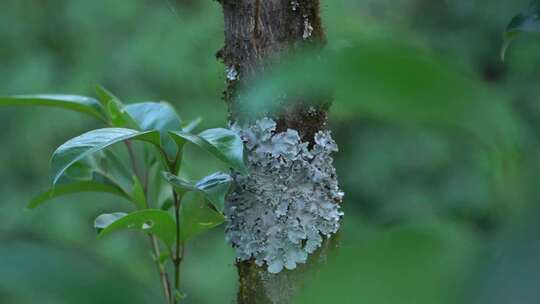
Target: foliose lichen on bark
281, 212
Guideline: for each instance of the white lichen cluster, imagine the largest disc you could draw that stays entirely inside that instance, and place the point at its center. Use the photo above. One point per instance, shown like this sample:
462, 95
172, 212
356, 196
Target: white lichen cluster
308, 28
294, 5
281, 212
231, 73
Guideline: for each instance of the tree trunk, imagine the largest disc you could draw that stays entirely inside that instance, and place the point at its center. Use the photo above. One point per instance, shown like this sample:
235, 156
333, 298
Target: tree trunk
281, 216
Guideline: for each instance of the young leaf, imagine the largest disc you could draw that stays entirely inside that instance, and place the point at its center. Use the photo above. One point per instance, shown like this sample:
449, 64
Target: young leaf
191, 125
196, 216
526, 22
65, 189
214, 187
84, 145
119, 117
104, 220
157, 116
104, 95
76, 103
222, 143
153, 221
115, 109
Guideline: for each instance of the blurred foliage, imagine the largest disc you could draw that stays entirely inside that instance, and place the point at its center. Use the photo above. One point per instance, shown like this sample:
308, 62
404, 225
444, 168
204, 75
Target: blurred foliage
438, 139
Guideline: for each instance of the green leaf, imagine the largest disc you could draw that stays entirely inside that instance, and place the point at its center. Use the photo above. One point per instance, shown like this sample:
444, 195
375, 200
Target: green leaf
525, 22
66, 189
214, 187
84, 145
137, 194
179, 184
222, 143
157, 222
155, 116
191, 125
196, 216
76, 103
158, 116
104, 220
104, 95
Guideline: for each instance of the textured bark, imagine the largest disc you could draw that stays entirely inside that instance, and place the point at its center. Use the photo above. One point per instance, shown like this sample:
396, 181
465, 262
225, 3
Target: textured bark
259, 33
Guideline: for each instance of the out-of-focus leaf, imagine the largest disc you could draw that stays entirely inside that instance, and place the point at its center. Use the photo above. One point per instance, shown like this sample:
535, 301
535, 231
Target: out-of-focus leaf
66, 189
214, 187
196, 216
84, 145
390, 81
525, 22
61, 273
153, 221
509, 269
138, 194
158, 116
410, 264
191, 125
222, 143
104, 220
76, 103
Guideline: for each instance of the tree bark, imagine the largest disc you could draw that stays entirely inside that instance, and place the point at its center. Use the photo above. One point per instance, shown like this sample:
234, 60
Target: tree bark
259, 33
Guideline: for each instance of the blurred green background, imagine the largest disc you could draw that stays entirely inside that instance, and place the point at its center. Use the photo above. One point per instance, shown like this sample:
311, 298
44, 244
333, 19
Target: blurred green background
438, 149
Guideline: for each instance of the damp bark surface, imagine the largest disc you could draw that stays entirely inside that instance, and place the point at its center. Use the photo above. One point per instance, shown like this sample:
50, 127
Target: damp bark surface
258, 35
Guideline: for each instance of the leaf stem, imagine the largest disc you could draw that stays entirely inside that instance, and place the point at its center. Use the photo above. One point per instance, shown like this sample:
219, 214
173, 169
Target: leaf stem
179, 254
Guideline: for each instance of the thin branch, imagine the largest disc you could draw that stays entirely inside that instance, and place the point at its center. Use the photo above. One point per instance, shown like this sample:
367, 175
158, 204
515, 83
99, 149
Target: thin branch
163, 276
179, 248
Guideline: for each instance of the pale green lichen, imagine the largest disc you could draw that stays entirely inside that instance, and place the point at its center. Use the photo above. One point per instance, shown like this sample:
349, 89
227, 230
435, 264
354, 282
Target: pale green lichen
279, 214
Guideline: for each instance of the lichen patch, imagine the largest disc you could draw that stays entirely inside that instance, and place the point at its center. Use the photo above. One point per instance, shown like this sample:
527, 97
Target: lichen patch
289, 203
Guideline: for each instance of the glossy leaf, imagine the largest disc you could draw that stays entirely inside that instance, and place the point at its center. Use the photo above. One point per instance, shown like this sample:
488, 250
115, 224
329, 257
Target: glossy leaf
154, 116
214, 187
157, 116
66, 189
104, 220
157, 222
76, 103
526, 22
196, 216
222, 143
84, 145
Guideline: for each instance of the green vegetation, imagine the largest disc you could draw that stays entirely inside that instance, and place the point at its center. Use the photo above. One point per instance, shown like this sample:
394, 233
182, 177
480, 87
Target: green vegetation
438, 150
